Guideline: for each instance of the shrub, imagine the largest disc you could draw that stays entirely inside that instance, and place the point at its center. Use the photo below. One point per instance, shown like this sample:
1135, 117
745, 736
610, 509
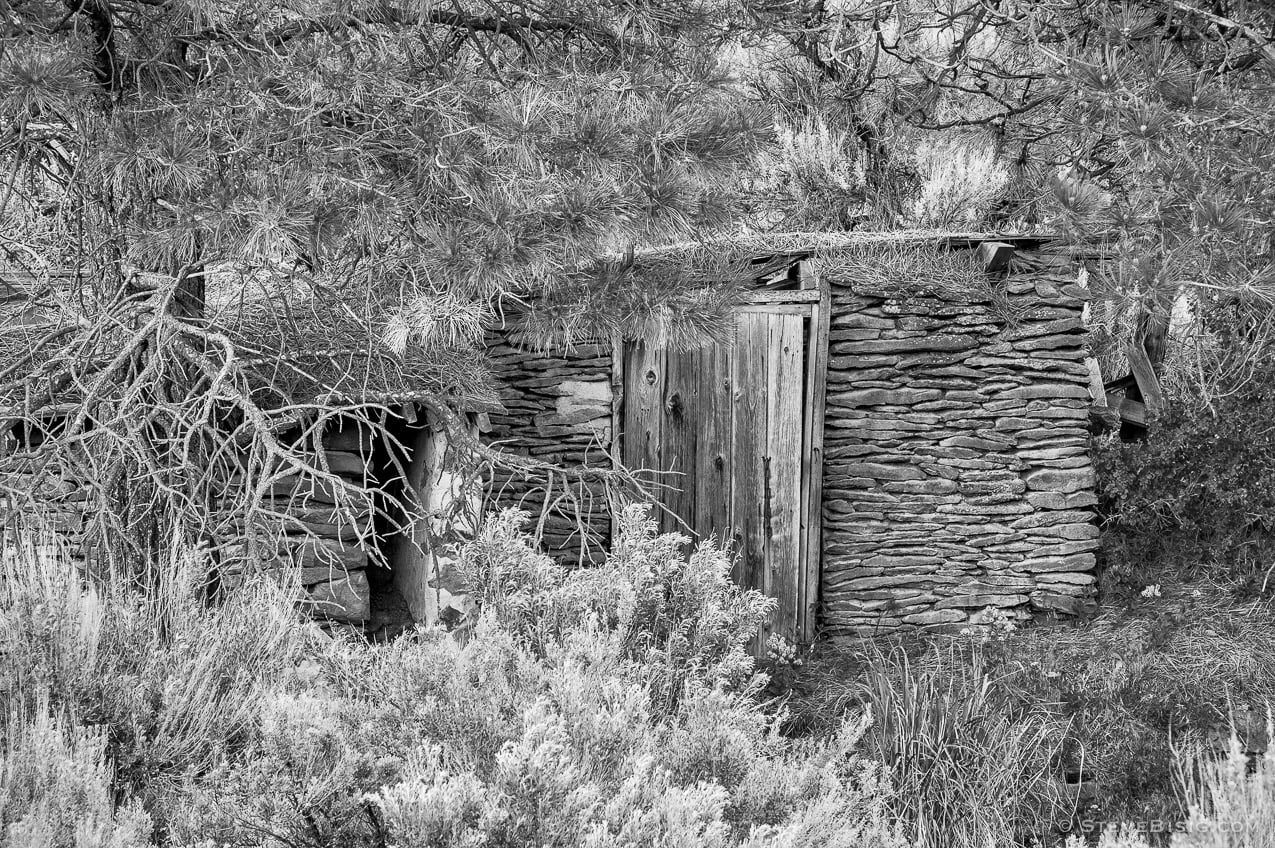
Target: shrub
643, 729
609, 707
50, 627
683, 618
678, 619
55, 787
172, 680
1198, 494
969, 768
1230, 799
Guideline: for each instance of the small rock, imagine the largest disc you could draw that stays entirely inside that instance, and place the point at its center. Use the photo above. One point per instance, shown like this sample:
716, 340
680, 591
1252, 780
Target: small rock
347, 599
1061, 480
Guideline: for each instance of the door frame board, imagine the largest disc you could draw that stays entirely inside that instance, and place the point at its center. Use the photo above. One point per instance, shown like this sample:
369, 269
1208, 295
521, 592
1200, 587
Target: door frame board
809, 278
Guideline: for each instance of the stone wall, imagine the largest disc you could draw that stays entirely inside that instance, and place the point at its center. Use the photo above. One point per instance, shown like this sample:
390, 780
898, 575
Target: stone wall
325, 547
336, 555
65, 506
957, 474
333, 552
558, 407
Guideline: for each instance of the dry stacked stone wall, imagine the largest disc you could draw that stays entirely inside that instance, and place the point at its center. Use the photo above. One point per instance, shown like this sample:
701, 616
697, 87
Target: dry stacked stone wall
957, 475
65, 507
557, 409
324, 546
334, 550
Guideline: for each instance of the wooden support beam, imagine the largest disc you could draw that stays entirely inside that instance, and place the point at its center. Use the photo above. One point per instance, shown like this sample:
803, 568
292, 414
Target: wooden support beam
1148, 383
776, 308
995, 255
812, 460
1130, 410
1120, 384
1096, 389
616, 447
783, 296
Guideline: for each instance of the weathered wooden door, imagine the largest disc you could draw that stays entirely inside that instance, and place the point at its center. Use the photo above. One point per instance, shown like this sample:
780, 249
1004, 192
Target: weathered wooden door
732, 427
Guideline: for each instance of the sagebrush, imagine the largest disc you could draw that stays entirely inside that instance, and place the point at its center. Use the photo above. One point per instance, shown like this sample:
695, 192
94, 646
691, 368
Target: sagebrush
609, 707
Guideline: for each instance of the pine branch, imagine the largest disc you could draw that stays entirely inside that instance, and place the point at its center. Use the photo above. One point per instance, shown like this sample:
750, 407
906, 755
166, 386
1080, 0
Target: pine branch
101, 23
1264, 45
514, 27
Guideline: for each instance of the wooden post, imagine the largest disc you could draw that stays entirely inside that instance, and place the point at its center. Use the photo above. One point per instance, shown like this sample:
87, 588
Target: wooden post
996, 255
1096, 389
412, 560
418, 557
812, 473
616, 447
1144, 373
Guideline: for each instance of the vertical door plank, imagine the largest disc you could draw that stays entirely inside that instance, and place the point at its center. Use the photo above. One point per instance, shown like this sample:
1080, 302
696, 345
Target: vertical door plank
816, 395
644, 382
782, 539
750, 471
712, 515
681, 437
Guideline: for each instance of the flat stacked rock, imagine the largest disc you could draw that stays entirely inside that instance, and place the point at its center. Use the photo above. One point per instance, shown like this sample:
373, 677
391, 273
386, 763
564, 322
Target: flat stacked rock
64, 508
557, 409
321, 545
957, 475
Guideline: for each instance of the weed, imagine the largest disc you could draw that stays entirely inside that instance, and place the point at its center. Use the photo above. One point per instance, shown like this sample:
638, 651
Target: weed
968, 766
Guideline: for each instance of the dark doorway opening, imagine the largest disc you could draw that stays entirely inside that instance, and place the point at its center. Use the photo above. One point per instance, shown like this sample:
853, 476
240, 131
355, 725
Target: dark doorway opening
388, 457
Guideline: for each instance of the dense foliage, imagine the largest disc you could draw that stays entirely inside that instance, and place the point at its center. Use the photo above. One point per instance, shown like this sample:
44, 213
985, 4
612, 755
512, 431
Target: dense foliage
275, 211
419, 167
1199, 493
614, 708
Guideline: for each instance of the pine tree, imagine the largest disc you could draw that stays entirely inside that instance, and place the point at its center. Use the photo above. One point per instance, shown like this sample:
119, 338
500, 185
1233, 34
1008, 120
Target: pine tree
1174, 146
275, 210
1146, 123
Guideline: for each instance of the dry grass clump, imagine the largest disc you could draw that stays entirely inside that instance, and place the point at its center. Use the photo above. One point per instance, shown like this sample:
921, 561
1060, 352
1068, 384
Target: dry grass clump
1128, 691
961, 177
901, 267
165, 679
56, 786
1230, 801
744, 247
971, 767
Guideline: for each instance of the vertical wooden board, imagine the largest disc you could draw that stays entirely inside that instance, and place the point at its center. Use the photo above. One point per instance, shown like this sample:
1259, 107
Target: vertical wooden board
783, 527
716, 453
749, 492
616, 447
680, 439
1145, 375
644, 381
812, 512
